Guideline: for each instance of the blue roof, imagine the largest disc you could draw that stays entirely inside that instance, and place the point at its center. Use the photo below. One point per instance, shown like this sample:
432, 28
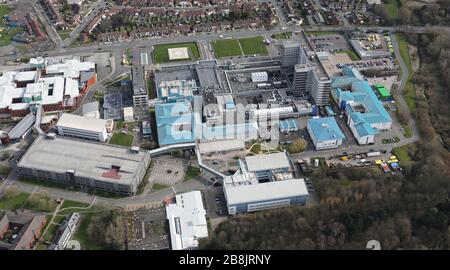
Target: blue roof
342, 81
376, 113
362, 93
325, 128
330, 110
174, 123
351, 72
288, 124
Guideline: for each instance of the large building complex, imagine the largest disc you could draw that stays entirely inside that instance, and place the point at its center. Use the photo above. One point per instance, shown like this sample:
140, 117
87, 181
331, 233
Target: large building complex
309, 77
187, 221
56, 83
85, 164
366, 115
82, 127
325, 133
263, 182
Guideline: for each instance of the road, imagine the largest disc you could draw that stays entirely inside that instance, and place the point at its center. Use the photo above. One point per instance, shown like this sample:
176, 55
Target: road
99, 5
404, 79
198, 183
51, 32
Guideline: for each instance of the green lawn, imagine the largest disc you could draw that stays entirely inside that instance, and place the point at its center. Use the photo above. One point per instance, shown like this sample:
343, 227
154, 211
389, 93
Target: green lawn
407, 131
52, 228
119, 124
392, 7
69, 203
159, 186
161, 54
192, 172
256, 148
402, 153
122, 139
285, 35
253, 45
151, 89
64, 34
13, 203
4, 170
408, 92
226, 48
353, 55
82, 235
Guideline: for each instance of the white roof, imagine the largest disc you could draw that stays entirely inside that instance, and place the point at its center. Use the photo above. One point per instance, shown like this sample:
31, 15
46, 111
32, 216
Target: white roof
267, 162
187, 220
25, 76
128, 111
249, 193
70, 69
7, 93
71, 88
81, 122
273, 111
52, 96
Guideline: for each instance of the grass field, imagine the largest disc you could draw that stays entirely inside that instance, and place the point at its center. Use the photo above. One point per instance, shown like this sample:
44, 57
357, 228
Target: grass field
402, 152
121, 139
253, 45
82, 233
13, 203
161, 55
256, 148
151, 89
192, 172
4, 170
159, 186
226, 48
408, 92
64, 34
285, 35
353, 55
392, 7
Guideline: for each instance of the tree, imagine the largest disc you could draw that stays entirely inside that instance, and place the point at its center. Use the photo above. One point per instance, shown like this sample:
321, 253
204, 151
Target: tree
41, 201
404, 15
6, 155
108, 230
297, 146
148, 145
11, 192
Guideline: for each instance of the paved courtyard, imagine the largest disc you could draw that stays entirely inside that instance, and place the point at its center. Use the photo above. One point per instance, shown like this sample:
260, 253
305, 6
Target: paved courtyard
168, 170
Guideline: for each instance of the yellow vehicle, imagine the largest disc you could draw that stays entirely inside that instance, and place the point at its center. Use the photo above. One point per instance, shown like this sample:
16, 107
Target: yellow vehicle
344, 158
393, 157
392, 161
378, 162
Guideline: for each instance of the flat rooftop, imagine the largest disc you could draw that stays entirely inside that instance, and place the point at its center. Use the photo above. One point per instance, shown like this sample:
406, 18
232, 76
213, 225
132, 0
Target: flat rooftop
68, 120
92, 160
267, 162
239, 194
